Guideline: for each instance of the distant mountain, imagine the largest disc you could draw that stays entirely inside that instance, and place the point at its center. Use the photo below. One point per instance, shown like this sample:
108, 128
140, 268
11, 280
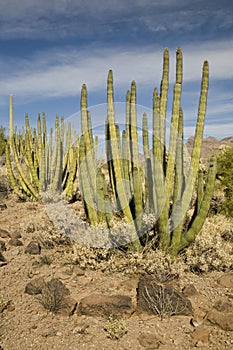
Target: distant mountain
210, 145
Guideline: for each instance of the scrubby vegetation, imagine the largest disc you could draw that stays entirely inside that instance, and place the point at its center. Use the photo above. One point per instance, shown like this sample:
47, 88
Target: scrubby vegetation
2, 140
225, 176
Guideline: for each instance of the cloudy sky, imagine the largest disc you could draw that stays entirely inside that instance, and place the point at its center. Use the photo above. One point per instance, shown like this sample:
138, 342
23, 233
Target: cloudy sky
49, 48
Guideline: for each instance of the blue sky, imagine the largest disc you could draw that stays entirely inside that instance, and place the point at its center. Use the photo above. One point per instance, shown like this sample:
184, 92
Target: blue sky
48, 49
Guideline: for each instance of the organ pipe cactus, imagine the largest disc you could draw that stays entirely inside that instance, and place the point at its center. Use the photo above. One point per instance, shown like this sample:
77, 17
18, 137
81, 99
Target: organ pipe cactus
40, 165
162, 184
170, 191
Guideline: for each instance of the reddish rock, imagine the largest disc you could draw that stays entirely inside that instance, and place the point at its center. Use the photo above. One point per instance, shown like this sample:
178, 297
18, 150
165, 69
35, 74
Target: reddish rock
226, 280
2, 258
223, 306
56, 285
105, 305
149, 341
223, 320
33, 248
2, 246
15, 242
77, 271
35, 287
190, 290
4, 233
15, 235
31, 228
3, 261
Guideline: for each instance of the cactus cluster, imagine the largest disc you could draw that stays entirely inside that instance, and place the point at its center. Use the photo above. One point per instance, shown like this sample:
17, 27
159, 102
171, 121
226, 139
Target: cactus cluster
161, 183
37, 162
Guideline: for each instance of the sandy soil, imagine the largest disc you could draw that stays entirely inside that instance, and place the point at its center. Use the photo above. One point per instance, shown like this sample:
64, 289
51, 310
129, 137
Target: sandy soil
26, 324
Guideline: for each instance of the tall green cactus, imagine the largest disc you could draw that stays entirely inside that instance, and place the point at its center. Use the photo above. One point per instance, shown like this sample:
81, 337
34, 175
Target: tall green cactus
114, 154
160, 185
39, 165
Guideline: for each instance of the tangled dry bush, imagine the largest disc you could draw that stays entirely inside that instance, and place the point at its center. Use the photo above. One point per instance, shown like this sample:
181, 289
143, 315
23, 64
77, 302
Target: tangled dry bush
212, 249
53, 295
153, 262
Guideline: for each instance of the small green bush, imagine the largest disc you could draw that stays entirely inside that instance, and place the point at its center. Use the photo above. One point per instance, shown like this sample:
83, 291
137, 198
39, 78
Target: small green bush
225, 175
2, 140
115, 328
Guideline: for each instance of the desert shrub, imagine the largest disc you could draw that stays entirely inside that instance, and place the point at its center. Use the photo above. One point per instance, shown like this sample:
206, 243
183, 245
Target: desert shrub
225, 176
211, 251
2, 140
153, 262
164, 301
115, 328
53, 296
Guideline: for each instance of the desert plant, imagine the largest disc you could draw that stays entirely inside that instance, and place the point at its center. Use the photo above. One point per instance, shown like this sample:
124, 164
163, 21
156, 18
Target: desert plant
2, 140
163, 184
53, 296
162, 300
225, 175
212, 249
115, 328
41, 164
171, 185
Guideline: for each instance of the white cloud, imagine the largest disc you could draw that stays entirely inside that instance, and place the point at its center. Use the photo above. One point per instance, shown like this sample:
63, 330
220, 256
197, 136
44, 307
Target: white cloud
62, 73
63, 18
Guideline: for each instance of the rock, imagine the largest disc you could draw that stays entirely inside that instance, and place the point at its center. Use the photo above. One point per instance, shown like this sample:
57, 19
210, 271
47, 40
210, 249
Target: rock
57, 285
4, 233
190, 290
223, 320
105, 305
2, 246
149, 340
30, 228
78, 271
223, 306
33, 248
68, 308
15, 242
196, 321
35, 287
2, 257
226, 280
162, 300
10, 307
15, 235
200, 336
3, 206
49, 333
2, 260
81, 329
